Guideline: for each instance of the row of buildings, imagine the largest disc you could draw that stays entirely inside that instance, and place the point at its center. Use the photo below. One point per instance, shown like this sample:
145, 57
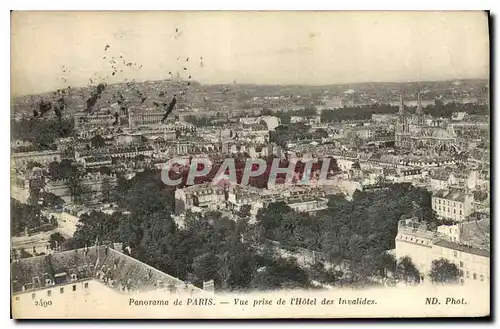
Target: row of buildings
210, 196
466, 245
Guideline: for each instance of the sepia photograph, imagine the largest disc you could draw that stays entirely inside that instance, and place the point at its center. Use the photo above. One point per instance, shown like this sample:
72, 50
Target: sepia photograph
250, 164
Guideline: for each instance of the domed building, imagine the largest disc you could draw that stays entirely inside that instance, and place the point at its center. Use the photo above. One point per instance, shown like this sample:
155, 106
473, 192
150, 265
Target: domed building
412, 132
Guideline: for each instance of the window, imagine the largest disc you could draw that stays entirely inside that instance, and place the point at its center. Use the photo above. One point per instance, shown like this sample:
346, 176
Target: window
461, 264
460, 212
17, 298
481, 277
454, 211
86, 285
74, 287
474, 276
33, 296
455, 253
461, 272
467, 274
49, 293
61, 290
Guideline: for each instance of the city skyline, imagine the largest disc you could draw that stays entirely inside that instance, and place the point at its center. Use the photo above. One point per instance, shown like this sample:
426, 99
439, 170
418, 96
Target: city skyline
245, 50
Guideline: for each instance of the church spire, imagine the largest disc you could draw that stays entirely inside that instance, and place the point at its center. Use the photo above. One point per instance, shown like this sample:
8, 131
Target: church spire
401, 105
419, 104
419, 113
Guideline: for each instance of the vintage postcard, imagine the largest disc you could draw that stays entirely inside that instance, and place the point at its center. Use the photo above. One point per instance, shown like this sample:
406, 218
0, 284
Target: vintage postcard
243, 165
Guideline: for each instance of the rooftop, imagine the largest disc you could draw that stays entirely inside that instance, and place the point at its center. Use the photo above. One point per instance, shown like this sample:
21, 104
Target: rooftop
463, 248
119, 271
440, 175
453, 195
304, 200
418, 233
476, 233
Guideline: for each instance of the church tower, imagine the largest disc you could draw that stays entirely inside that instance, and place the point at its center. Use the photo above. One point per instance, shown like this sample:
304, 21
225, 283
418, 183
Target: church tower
402, 127
403, 119
419, 114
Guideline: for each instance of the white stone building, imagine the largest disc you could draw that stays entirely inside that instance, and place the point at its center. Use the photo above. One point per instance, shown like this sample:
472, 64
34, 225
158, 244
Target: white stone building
453, 204
424, 246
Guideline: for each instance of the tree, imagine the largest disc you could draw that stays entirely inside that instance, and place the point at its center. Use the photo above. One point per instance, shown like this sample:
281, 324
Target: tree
53, 221
320, 133
73, 182
66, 169
105, 170
96, 225
106, 188
244, 211
270, 218
55, 240
280, 274
33, 164
224, 269
444, 271
407, 271
309, 111
386, 263
97, 142
24, 217
53, 169
205, 267
319, 273
24, 254
51, 200
82, 193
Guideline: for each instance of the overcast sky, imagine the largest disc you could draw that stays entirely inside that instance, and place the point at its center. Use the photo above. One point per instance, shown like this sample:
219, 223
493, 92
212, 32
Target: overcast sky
249, 47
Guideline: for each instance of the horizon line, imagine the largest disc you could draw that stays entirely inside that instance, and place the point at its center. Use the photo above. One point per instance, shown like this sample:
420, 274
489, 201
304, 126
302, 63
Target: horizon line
261, 84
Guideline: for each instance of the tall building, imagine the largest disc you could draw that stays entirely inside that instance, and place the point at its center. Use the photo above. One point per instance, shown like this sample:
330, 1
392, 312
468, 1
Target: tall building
424, 246
413, 132
453, 204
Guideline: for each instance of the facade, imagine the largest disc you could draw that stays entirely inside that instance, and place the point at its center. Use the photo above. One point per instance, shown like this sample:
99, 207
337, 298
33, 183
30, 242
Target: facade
384, 118
424, 246
309, 205
364, 133
92, 184
21, 159
403, 174
85, 122
21, 183
413, 132
442, 180
270, 122
144, 118
205, 195
96, 161
239, 196
453, 204
137, 118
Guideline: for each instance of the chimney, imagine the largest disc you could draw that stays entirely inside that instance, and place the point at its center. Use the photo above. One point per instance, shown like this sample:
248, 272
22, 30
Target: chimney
118, 247
209, 286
